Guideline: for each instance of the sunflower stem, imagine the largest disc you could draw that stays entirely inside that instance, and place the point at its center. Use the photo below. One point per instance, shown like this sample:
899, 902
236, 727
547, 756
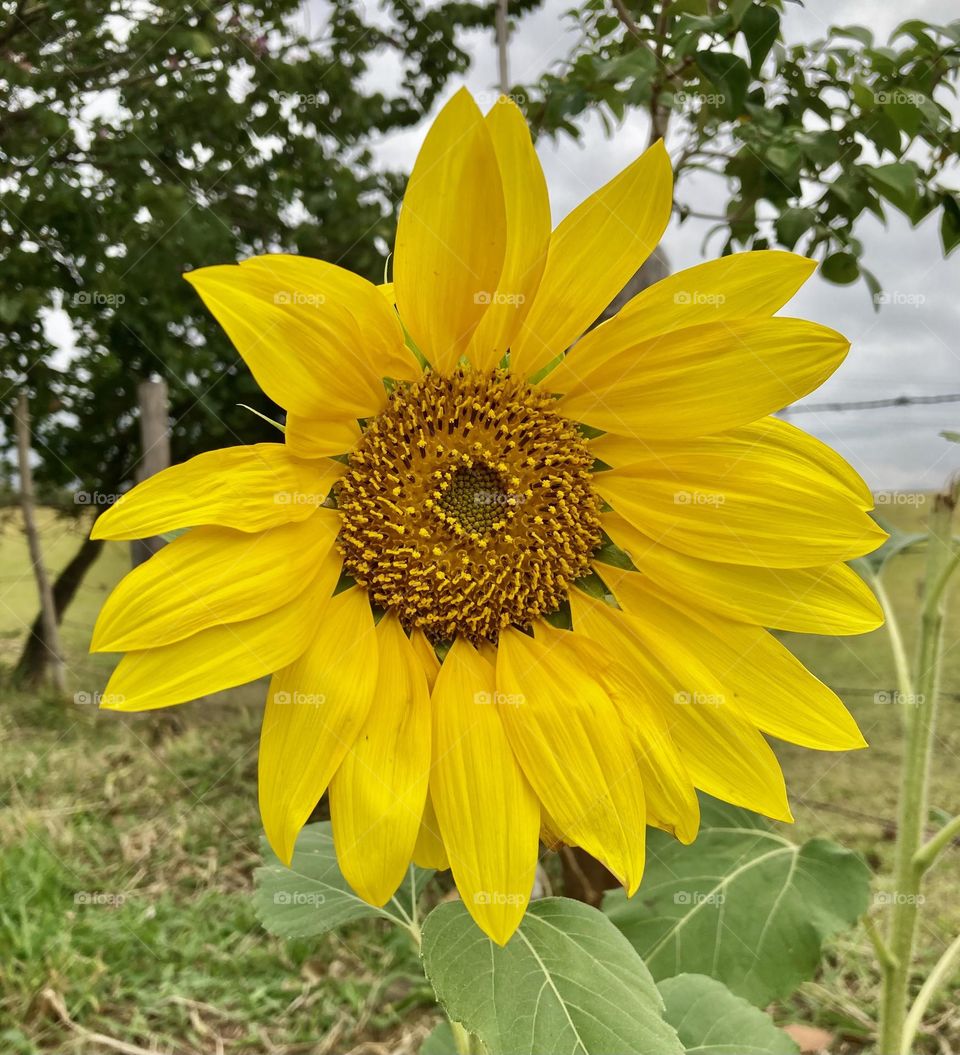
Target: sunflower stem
915, 779
897, 646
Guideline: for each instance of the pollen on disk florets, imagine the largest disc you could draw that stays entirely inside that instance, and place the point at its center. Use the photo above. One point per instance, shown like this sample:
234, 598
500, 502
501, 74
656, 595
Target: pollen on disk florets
467, 506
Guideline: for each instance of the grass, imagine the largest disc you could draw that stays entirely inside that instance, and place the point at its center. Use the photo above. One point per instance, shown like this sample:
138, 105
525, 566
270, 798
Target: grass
127, 845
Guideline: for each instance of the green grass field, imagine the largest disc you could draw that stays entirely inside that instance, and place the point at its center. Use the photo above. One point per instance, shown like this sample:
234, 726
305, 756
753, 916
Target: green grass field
127, 844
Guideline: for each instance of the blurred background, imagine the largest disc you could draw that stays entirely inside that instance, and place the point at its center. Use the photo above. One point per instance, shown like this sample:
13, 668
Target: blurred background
141, 139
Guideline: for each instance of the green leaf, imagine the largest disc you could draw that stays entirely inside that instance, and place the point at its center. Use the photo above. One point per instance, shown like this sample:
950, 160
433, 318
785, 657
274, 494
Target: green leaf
841, 268
953, 437
897, 543
897, 182
742, 904
760, 28
729, 74
792, 224
950, 224
311, 897
439, 1041
567, 981
711, 1020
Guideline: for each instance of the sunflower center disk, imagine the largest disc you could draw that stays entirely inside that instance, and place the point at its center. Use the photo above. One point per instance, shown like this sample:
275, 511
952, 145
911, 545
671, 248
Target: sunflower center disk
467, 506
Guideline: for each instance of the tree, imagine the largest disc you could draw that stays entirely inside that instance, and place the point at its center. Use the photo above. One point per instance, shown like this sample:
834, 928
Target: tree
138, 141
803, 139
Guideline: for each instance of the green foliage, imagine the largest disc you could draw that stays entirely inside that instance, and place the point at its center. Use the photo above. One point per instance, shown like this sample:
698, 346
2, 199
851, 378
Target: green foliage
566, 981
806, 139
710, 1020
742, 904
311, 897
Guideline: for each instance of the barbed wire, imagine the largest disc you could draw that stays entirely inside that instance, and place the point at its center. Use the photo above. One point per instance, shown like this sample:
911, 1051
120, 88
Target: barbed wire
873, 404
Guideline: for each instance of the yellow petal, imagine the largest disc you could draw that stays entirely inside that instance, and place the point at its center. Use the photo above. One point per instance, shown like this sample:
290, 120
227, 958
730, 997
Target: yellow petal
737, 665
573, 748
692, 382
738, 286
671, 798
451, 234
308, 358
212, 576
770, 433
592, 254
247, 488
738, 499
427, 656
724, 755
315, 709
325, 288
377, 795
318, 438
488, 814
528, 235
830, 599
222, 656
429, 851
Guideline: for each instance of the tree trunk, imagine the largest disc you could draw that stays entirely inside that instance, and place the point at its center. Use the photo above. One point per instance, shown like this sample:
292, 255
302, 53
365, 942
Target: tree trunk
47, 617
32, 664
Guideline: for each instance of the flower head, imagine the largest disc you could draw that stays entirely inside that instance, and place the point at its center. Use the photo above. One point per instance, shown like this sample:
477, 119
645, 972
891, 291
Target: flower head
511, 575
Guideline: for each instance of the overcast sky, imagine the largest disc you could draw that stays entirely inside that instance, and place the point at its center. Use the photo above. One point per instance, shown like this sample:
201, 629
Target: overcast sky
911, 346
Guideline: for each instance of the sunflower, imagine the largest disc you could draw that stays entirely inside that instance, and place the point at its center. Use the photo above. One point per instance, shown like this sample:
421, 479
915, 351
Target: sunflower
511, 573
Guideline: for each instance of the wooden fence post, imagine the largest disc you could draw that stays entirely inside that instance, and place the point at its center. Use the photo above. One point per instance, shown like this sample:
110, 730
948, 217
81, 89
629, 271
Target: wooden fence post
51, 630
155, 445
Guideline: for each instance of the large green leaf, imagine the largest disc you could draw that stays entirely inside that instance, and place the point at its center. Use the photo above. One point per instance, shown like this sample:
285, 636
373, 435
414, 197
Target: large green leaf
311, 897
742, 904
567, 983
710, 1020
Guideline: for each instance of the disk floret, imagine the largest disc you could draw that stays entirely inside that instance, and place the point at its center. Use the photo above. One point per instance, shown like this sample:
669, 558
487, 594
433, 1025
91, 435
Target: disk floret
467, 506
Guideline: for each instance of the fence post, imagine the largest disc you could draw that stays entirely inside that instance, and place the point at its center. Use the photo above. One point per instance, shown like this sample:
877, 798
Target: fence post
155, 445
51, 630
